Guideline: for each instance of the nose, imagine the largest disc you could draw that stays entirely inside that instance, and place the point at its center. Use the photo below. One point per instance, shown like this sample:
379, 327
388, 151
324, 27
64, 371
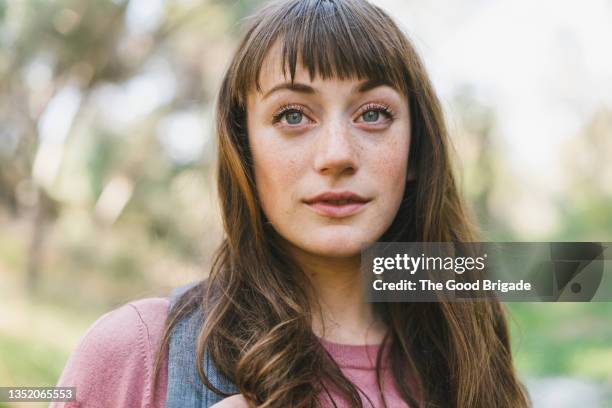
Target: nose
336, 153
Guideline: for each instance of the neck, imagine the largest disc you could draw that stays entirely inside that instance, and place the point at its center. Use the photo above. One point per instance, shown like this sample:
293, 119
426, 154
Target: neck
340, 313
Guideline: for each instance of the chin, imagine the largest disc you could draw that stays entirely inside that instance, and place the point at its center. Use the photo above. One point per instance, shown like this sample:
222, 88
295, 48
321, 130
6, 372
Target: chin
335, 246
338, 252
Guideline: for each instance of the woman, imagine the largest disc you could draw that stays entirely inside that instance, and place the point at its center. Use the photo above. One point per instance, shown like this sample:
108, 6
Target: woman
330, 137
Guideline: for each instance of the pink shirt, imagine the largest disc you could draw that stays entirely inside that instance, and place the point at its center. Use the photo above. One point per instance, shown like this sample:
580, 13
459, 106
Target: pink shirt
112, 366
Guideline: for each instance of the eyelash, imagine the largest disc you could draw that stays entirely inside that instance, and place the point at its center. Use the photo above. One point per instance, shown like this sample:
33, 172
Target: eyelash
378, 107
285, 109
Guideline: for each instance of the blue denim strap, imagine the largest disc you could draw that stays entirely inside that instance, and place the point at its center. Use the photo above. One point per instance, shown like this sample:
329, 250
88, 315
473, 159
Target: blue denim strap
185, 389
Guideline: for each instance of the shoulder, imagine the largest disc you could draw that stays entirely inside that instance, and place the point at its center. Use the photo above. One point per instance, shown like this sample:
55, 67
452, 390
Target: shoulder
113, 362
137, 323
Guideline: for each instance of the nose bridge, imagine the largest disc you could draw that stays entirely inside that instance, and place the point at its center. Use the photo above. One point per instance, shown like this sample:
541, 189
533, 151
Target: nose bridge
335, 148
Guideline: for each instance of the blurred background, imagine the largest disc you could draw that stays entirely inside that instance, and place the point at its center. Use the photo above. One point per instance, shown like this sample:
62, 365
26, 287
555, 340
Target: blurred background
107, 149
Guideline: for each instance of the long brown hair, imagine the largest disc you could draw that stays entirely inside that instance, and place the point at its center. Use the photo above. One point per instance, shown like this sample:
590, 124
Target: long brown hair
258, 317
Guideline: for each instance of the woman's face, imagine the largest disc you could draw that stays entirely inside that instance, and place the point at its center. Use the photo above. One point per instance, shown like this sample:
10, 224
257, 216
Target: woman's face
327, 137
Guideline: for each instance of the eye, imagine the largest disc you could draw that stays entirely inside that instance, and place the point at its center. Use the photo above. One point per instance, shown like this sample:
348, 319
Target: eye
371, 113
293, 117
290, 115
370, 116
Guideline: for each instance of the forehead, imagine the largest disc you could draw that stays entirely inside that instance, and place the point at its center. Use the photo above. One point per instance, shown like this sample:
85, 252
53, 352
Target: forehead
273, 70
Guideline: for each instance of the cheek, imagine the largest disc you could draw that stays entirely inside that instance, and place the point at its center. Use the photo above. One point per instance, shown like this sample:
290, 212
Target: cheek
276, 175
391, 167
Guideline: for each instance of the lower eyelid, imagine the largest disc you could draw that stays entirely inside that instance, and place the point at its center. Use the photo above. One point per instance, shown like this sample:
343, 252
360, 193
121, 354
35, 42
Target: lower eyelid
283, 123
388, 116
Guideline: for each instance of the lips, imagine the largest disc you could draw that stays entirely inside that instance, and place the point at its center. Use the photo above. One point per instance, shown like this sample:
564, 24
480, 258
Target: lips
337, 204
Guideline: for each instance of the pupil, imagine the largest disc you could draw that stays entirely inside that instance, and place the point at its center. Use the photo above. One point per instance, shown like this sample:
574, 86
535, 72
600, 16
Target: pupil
370, 116
293, 118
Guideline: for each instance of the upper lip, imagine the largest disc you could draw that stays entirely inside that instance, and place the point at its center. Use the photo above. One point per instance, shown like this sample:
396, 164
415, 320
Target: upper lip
335, 196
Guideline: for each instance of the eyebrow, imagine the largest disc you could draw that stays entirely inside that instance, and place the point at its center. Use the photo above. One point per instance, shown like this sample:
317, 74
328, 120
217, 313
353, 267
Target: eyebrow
307, 89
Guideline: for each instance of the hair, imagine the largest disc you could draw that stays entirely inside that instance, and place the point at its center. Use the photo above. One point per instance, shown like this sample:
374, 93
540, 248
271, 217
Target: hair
257, 327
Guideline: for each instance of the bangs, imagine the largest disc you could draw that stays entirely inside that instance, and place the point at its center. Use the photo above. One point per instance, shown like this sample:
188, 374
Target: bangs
330, 38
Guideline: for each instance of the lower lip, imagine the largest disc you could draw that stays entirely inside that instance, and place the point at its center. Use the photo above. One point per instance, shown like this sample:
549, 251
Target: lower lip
336, 211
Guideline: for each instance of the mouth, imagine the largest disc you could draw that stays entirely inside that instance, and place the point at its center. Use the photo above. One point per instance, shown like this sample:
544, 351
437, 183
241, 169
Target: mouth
337, 204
